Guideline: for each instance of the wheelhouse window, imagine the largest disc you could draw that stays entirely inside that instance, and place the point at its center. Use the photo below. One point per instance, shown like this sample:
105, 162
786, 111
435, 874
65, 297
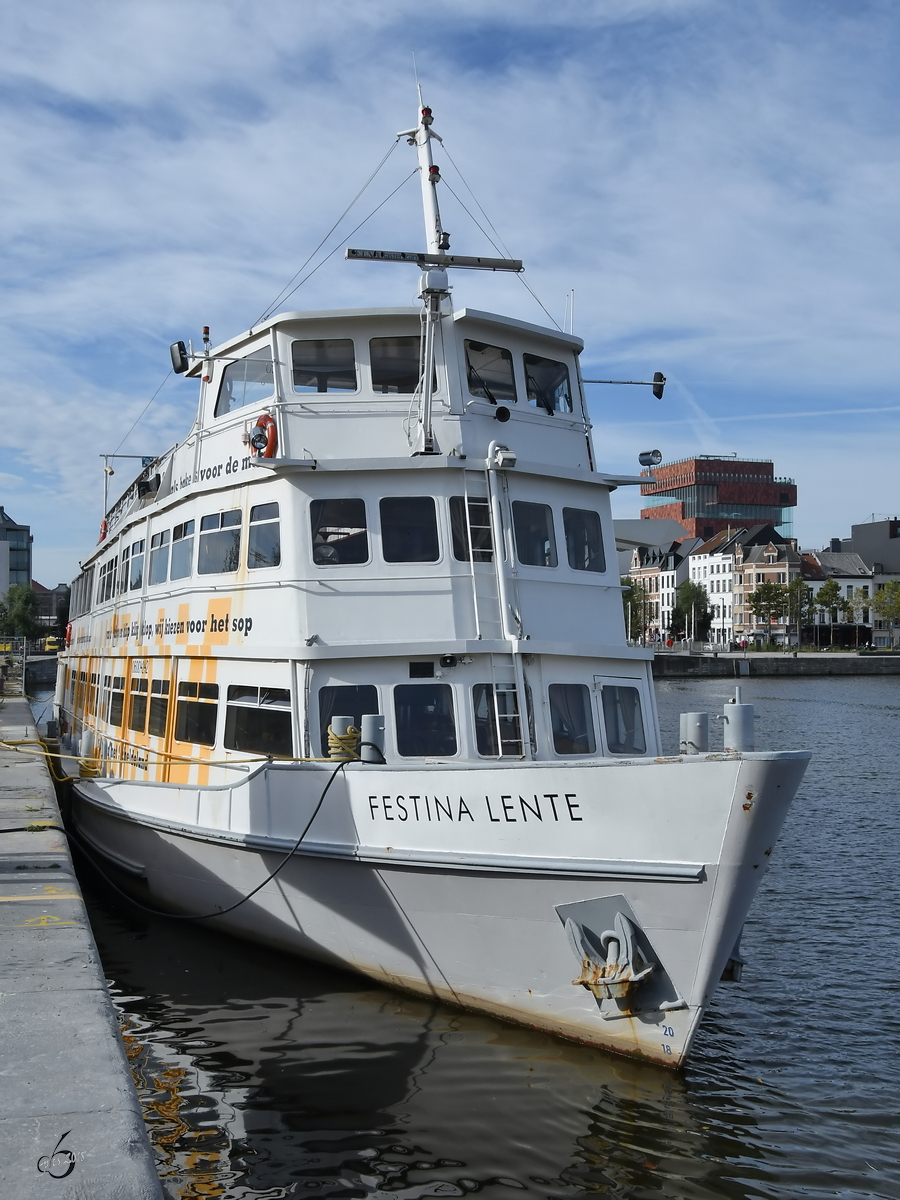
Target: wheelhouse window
125, 570
339, 533
196, 713
423, 713
622, 720
344, 700
571, 719
220, 543
159, 707
547, 384
159, 557
323, 365
396, 364
136, 575
264, 542
258, 721
584, 540
489, 370
535, 539
137, 713
182, 550
497, 729
409, 529
246, 381
471, 529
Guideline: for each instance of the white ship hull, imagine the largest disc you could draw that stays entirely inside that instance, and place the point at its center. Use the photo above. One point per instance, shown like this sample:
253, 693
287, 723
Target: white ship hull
465, 898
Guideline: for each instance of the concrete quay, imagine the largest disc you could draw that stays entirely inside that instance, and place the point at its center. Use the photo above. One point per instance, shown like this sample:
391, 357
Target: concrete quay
70, 1121
673, 665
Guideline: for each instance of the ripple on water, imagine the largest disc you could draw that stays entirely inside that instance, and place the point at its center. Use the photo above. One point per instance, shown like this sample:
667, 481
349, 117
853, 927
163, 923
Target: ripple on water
265, 1077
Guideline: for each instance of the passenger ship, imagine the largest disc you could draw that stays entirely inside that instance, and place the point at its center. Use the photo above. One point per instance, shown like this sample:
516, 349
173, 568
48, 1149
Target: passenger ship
386, 542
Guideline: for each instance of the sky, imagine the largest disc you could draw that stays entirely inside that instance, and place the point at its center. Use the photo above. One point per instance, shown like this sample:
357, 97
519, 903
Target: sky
716, 183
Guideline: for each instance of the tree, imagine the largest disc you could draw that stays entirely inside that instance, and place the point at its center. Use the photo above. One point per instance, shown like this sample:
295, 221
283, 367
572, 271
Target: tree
828, 600
19, 613
886, 603
769, 601
691, 616
634, 601
800, 605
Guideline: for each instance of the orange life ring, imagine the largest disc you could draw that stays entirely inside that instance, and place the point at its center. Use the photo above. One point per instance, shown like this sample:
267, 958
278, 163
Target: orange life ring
103, 528
69, 635
265, 428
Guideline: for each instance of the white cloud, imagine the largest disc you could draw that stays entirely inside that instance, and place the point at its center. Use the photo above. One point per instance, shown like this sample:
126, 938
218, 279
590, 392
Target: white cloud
717, 183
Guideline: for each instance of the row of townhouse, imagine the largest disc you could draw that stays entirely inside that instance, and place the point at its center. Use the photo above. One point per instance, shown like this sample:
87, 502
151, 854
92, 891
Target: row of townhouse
730, 566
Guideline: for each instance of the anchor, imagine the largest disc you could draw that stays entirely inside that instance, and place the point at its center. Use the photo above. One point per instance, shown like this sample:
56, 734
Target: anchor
614, 972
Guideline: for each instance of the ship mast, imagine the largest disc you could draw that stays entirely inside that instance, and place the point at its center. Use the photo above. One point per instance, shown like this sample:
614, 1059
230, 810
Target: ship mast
429, 177
433, 287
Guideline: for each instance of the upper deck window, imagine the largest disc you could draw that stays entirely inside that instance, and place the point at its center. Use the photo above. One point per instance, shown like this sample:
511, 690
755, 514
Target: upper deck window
136, 577
323, 365
182, 550
489, 370
396, 364
264, 549
471, 529
220, 542
547, 384
584, 540
535, 539
159, 557
409, 529
339, 534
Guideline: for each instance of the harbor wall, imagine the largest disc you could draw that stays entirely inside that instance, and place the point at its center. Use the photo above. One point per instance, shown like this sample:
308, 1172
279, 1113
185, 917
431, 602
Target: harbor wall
705, 666
70, 1119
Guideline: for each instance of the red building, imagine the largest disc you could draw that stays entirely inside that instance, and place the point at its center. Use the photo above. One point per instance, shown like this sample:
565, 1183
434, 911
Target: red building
708, 494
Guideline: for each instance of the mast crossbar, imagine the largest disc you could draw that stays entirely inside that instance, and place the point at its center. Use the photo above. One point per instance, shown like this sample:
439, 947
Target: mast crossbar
424, 258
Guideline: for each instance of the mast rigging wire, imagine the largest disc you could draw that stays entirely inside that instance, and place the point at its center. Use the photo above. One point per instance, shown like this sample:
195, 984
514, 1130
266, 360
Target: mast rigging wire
501, 248
284, 293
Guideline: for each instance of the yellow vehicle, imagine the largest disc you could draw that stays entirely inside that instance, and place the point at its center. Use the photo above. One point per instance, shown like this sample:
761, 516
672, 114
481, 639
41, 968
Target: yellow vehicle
5, 647
51, 645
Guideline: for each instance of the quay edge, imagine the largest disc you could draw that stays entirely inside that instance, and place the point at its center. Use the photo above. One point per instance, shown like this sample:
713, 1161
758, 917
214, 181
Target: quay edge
70, 1119
705, 666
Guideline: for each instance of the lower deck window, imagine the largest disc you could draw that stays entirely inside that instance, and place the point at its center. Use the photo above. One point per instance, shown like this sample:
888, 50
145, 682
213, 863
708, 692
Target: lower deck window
196, 713
137, 717
571, 718
424, 716
350, 700
497, 731
159, 707
623, 721
258, 721
117, 700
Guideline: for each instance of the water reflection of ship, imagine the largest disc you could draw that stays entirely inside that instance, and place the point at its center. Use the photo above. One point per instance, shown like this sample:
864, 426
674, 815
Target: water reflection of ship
254, 1073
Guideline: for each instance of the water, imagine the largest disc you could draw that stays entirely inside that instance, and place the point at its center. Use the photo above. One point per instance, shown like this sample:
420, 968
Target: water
265, 1077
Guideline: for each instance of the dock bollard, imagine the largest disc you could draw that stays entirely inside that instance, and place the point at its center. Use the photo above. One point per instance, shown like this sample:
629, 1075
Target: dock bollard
343, 737
371, 748
693, 737
738, 724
